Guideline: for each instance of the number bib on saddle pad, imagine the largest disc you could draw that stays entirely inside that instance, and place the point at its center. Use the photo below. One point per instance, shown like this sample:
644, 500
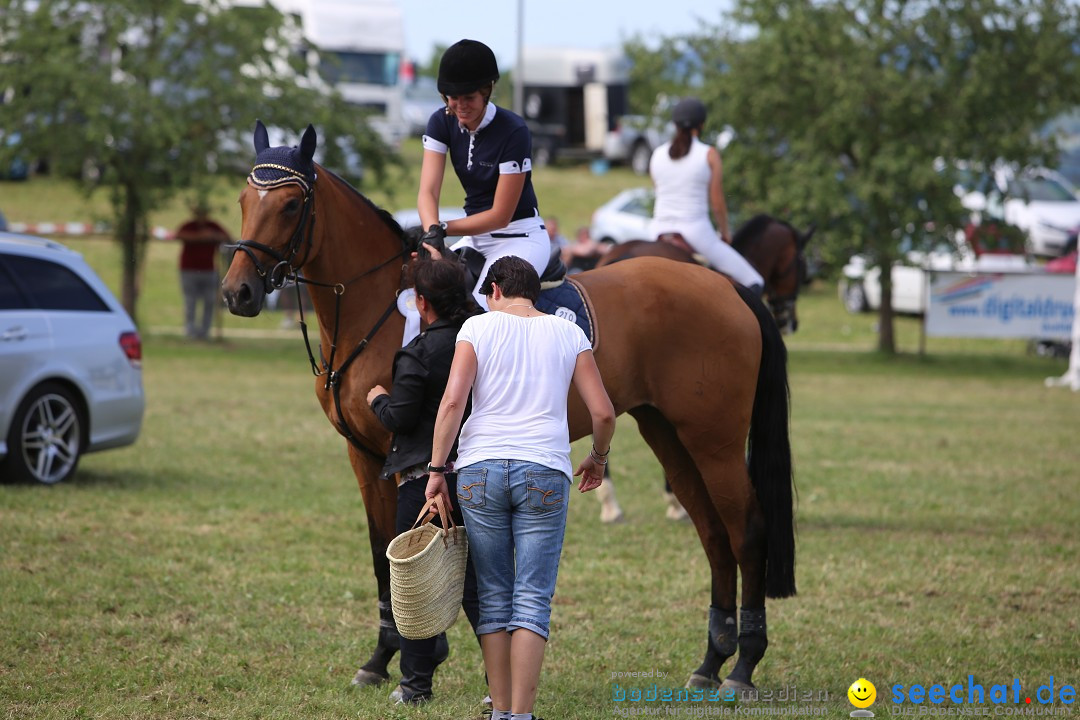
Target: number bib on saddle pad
567, 300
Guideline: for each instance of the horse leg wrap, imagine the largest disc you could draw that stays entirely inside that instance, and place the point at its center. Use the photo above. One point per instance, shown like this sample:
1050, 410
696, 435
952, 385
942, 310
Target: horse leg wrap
722, 642
753, 639
389, 641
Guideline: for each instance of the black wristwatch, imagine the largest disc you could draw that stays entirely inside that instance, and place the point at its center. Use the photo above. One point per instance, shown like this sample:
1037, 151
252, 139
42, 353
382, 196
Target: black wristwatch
436, 468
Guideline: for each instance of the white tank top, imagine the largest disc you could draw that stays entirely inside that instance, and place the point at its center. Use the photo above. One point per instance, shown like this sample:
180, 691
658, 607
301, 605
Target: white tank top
682, 186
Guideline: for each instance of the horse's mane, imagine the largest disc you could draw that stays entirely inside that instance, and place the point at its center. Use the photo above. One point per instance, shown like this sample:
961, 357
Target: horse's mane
751, 230
384, 215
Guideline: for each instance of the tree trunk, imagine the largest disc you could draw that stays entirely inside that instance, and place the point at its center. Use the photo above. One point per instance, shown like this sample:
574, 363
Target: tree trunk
131, 233
886, 334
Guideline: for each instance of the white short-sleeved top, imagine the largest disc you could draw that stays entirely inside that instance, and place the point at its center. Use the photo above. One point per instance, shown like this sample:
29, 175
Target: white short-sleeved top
523, 375
682, 186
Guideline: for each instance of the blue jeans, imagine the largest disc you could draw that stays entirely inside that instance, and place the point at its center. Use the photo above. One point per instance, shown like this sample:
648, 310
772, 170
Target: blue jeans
515, 514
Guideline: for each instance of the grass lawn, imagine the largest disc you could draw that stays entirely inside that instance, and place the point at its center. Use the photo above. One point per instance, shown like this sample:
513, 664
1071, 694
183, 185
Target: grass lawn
220, 568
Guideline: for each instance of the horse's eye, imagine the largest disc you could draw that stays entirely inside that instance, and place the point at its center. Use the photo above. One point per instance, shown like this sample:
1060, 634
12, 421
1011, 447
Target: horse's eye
291, 207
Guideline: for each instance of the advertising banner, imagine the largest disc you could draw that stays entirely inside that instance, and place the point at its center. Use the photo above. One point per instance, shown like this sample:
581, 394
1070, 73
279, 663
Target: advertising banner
1001, 305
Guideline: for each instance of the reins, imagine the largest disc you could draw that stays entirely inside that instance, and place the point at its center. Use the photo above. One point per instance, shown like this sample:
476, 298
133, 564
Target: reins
284, 272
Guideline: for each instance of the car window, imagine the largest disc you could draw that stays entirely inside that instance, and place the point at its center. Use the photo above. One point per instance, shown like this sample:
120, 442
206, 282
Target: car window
52, 286
10, 297
1040, 190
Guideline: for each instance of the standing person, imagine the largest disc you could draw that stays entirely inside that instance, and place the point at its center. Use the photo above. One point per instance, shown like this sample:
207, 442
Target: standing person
688, 177
513, 478
201, 238
421, 369
556, 238
490, 149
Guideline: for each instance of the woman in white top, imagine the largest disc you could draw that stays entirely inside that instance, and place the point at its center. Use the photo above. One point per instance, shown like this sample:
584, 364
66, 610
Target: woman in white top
688, 177
513, 467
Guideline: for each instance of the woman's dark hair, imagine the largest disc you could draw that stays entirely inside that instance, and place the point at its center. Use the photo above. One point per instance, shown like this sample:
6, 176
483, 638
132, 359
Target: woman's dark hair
514, 276
442, 283
680, 144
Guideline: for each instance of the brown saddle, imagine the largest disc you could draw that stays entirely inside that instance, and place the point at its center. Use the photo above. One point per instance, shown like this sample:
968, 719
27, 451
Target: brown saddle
676, 240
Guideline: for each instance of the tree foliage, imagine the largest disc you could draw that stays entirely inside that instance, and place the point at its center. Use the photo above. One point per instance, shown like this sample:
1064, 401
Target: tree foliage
852, 113
149, 98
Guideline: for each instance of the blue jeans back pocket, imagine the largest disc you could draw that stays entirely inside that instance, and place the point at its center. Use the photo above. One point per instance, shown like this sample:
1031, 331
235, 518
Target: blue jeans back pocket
471, 484
546, 490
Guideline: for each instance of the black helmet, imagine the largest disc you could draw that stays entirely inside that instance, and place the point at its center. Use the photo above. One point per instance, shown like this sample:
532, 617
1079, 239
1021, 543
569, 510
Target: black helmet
689, 113
466, 66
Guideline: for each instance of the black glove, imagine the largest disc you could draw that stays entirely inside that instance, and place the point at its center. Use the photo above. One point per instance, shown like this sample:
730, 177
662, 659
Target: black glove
436, 238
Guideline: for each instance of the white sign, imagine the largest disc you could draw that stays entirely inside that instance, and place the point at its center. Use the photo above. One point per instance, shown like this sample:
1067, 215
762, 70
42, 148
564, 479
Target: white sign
1001, 305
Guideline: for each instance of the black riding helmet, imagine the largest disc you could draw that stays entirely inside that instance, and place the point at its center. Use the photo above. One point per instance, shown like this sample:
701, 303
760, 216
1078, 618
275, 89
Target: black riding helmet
689, 113
466, 66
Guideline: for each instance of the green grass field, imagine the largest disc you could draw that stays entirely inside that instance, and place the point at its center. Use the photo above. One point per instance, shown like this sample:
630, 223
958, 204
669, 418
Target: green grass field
220, 567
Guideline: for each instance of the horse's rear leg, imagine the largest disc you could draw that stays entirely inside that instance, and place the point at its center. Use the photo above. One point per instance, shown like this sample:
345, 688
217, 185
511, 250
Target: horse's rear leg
733, 497
380, 503
685, 481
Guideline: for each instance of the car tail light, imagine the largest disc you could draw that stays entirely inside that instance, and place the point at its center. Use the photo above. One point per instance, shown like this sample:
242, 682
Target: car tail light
132, 347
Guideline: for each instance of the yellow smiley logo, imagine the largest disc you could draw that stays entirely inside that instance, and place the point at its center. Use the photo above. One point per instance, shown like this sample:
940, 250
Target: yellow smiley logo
862, 693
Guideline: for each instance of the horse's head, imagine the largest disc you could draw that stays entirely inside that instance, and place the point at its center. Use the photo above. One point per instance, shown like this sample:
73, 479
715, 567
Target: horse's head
278, 207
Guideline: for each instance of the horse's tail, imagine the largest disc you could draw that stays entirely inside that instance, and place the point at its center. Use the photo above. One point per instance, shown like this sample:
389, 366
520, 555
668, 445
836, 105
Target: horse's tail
769, 452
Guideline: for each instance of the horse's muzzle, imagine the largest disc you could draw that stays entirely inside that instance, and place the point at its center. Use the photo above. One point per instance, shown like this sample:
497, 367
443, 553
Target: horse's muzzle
243, 298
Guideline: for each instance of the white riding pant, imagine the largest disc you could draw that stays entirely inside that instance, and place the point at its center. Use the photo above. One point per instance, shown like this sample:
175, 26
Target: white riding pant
703, 238
527, 239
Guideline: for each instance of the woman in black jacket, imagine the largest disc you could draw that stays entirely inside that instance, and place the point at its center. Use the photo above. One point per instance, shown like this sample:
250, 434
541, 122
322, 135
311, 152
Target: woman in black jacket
421, 369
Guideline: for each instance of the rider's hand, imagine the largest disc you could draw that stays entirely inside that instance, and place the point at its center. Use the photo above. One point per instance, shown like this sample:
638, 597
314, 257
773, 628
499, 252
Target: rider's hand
435, 237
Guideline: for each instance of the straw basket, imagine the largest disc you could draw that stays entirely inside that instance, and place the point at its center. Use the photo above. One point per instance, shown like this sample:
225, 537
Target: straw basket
427, 574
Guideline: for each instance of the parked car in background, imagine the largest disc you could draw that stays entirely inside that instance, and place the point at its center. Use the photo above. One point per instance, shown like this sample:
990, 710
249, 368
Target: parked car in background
634, 138
1038, 201
624, 217
860, 284
70, 362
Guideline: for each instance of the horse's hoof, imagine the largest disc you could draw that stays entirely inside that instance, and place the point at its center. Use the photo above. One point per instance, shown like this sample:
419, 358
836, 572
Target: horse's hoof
700, 681
675, 511
366, 678
737, 687
611, 516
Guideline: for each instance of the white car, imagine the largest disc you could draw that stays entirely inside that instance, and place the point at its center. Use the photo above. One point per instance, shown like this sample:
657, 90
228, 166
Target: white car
1038, 201
625, 217
70, 362
860, 284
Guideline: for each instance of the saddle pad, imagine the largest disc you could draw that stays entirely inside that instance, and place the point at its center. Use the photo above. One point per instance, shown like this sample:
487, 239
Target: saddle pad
568, 301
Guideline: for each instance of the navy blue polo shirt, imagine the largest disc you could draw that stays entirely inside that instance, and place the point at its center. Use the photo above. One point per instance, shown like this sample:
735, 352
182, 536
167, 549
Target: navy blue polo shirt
501, 144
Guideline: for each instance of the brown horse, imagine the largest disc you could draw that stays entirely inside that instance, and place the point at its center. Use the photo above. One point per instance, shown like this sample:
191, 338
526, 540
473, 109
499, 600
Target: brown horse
772, 246
702, 392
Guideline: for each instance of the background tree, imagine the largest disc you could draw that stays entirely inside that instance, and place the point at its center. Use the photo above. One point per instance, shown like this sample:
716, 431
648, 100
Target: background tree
845, 110
149, 97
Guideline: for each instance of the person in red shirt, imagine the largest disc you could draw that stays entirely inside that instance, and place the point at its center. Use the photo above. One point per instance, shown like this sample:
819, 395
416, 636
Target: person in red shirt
201, 238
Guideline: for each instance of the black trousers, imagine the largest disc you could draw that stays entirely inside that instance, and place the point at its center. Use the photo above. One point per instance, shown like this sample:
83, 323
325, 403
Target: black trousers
419, 658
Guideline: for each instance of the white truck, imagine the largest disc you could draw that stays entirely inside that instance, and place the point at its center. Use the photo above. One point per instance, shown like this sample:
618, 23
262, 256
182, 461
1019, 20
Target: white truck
360, 46
572, 98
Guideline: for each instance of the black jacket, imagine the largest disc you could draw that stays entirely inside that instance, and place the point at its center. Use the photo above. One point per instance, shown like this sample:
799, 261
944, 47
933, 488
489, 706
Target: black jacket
421, 370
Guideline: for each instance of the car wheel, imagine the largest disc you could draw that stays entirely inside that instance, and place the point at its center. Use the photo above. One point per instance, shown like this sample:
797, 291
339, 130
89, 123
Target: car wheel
855, 298
640, 156
46, 436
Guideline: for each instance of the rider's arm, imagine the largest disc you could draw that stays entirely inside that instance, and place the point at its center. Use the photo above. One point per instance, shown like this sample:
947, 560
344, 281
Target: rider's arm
716, 194
431, 179
507, 193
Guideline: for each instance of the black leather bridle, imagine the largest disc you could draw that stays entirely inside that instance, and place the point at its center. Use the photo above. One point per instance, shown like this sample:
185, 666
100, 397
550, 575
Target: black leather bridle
286, 270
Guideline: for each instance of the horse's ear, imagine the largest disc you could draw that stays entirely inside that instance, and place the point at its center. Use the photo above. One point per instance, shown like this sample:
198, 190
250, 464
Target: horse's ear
804, 238
307, 143
262, 139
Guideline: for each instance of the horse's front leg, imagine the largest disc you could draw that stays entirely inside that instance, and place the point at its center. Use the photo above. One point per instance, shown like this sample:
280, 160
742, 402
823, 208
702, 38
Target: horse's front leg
380, 503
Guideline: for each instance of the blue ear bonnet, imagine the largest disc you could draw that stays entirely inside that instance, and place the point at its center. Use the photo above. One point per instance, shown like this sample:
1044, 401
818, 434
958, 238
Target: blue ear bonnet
282, 165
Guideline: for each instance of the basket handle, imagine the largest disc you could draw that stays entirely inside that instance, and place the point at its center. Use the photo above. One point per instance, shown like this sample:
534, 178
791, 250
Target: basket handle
444, 515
